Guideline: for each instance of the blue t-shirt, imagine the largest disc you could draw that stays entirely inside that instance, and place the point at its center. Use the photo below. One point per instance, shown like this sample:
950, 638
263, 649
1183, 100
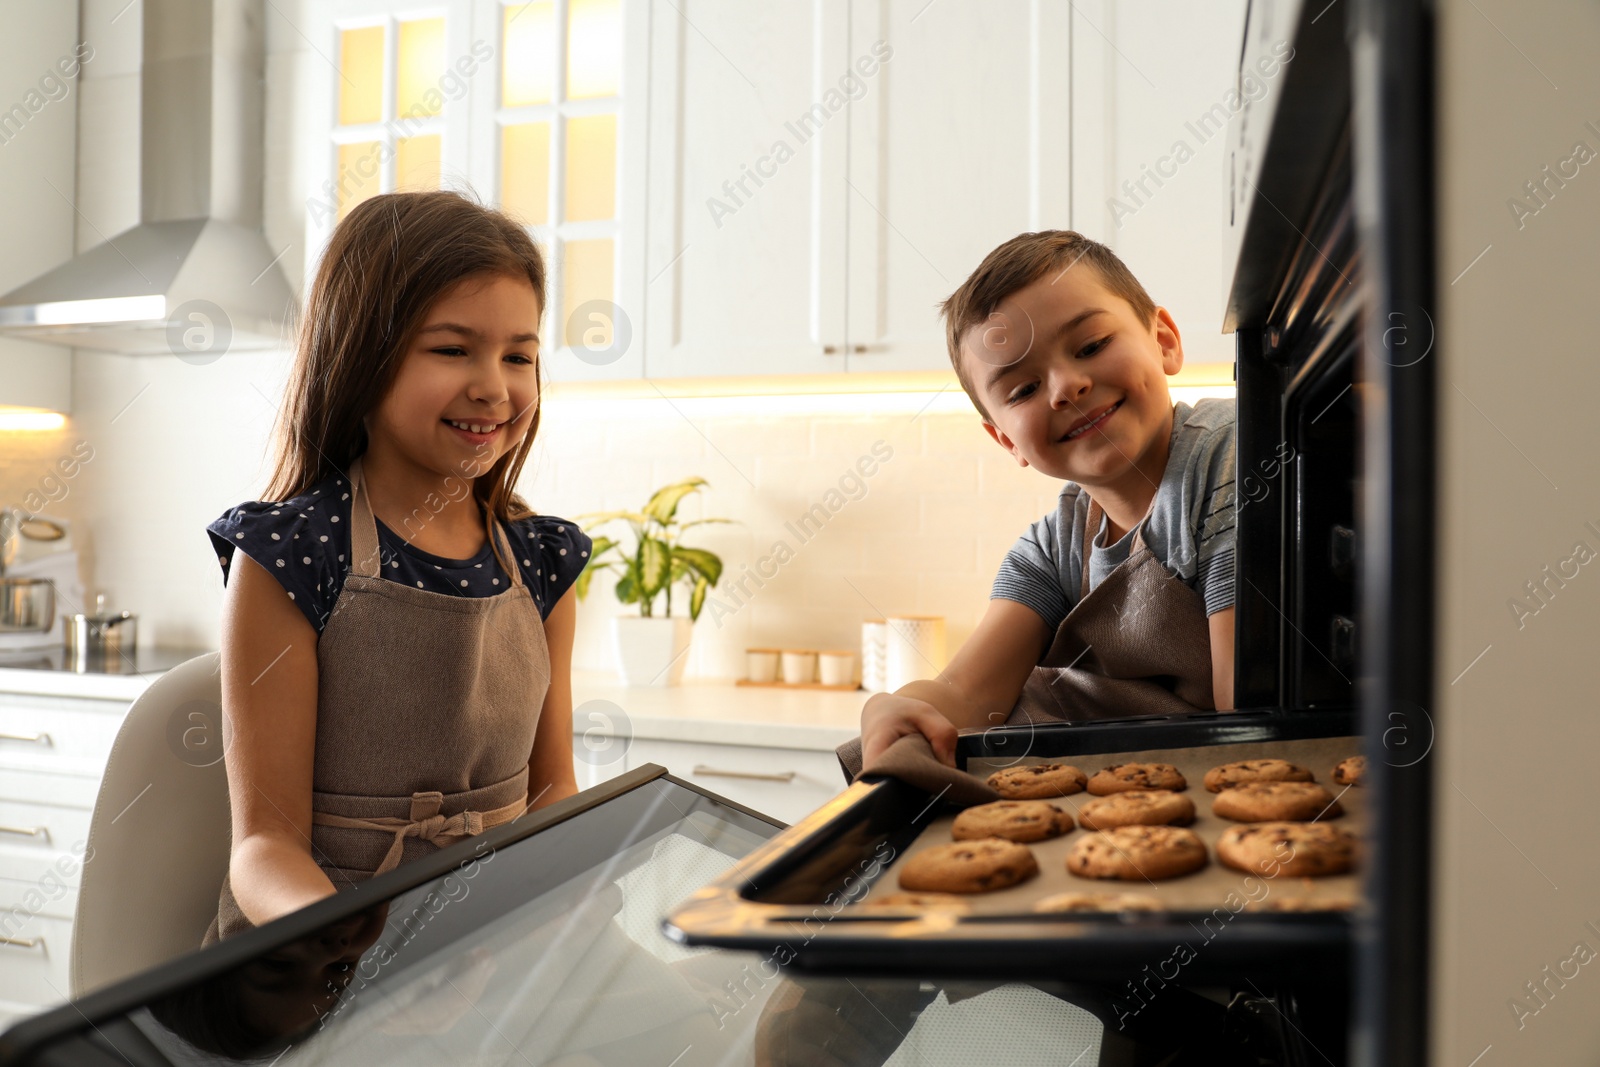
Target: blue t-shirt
304, 542
1190, 526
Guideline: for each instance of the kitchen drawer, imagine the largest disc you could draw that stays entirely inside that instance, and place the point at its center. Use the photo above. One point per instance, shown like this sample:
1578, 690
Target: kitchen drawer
784, 783
55, 899
33, 959
67, 738
59, 839
40, 828
56, 790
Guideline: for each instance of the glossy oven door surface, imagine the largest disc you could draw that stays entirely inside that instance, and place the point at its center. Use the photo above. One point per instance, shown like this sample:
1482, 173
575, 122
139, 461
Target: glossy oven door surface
540, 942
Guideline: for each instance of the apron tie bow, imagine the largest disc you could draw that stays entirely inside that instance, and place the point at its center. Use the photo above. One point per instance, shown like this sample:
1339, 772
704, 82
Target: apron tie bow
425, 824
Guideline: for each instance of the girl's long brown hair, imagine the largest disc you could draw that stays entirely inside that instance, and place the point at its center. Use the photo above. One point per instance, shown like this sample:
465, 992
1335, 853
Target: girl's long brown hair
387, 263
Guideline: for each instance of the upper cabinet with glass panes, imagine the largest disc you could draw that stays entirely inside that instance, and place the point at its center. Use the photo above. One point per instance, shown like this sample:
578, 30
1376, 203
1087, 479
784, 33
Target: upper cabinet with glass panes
525, 106
815, 178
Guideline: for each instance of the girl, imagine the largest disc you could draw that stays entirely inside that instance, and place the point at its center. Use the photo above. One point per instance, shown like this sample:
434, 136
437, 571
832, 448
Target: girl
397, 633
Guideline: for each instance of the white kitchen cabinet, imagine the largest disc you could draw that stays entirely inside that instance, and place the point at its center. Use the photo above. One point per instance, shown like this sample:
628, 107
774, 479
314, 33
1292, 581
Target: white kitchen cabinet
38, 842
536, 108
35, 972
598, 759
1154, 83
53, 751
960, 143
38, 153
800, 184
745, 218
785, 783
823, 174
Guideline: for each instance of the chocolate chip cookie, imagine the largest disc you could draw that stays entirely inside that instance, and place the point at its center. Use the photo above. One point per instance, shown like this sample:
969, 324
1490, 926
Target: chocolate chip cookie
1060, 902
1037, 781
1137, 853
1137, 807
1121, 777
1276, 802
969, 867
1296, 849
1350, 771
1014, 820
1255, 770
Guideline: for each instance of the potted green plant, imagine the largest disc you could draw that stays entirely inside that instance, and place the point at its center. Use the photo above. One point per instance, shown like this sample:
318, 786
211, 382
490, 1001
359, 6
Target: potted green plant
652, 647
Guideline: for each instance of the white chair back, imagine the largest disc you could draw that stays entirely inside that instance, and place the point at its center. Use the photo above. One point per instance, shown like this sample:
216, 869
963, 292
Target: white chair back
159, 839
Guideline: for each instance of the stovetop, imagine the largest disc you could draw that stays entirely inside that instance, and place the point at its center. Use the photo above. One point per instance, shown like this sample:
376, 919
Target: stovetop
144, 661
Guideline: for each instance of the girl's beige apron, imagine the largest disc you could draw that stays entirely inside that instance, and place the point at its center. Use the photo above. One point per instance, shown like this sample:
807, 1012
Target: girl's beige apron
1136, 644
426, 709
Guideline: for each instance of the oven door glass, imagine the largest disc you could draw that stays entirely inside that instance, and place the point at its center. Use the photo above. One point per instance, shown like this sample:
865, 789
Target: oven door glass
548, 950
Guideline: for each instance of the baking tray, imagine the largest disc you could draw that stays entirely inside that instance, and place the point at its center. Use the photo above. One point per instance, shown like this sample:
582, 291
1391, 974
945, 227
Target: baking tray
793, 899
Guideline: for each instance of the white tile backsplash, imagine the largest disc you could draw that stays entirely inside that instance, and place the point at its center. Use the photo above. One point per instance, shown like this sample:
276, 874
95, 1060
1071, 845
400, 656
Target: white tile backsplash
913, 536
176, 445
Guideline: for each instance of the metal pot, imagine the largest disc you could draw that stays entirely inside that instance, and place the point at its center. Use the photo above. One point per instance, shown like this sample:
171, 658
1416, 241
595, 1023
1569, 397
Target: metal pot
27, 605
101, 635
17, 526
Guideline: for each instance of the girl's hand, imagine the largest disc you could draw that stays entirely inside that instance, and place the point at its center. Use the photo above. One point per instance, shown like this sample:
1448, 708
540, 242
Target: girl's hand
887, 717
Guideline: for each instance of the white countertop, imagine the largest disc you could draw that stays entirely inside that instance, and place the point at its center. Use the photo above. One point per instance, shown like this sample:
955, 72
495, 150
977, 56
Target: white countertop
48, 672
718, 712
703, 712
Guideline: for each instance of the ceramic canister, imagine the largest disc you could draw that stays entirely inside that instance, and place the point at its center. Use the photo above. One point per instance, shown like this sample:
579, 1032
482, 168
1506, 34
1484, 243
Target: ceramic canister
914, 649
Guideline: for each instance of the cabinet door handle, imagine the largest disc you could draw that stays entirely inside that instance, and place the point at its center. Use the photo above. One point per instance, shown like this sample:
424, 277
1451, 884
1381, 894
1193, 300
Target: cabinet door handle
27, 831
712, 772
42, 739
858, 349
23, 942
830, 350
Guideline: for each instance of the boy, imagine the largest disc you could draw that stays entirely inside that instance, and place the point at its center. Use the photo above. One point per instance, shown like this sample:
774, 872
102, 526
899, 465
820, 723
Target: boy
1066, 358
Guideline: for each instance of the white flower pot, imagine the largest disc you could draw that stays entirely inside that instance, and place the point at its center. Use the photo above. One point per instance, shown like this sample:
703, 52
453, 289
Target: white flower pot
652, 651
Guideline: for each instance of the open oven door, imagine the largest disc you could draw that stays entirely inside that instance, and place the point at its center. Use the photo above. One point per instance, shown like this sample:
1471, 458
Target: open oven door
539, 942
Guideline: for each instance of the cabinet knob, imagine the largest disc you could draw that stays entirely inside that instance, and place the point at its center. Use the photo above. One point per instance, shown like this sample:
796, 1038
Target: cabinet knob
830, 350
858, 349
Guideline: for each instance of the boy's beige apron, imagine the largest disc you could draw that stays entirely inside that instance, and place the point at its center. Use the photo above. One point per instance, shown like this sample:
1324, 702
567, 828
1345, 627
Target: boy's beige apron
1136, 644
426, 709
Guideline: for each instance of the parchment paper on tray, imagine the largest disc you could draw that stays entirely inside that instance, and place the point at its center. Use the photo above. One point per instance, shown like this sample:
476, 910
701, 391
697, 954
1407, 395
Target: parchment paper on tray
1204, 890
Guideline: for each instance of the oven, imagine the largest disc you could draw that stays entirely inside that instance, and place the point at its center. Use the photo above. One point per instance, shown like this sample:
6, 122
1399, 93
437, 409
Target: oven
540, 941
1329, 300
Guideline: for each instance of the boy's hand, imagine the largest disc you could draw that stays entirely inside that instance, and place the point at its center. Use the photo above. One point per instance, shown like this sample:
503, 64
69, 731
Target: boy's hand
978, 688
887, 717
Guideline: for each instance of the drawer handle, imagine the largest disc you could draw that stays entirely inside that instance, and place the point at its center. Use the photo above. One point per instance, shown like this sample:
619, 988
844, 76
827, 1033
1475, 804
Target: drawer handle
27, 831
23, 942
42, 739
712, 772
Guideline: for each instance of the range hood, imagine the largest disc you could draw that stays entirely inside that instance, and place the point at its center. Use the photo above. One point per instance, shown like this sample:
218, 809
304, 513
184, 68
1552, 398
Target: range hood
195, 275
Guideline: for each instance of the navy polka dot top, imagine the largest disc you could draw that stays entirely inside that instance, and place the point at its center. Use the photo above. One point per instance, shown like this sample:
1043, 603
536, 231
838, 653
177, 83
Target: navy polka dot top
305, 543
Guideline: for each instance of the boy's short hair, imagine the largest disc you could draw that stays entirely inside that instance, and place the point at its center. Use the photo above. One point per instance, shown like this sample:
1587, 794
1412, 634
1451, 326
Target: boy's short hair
1017, 264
